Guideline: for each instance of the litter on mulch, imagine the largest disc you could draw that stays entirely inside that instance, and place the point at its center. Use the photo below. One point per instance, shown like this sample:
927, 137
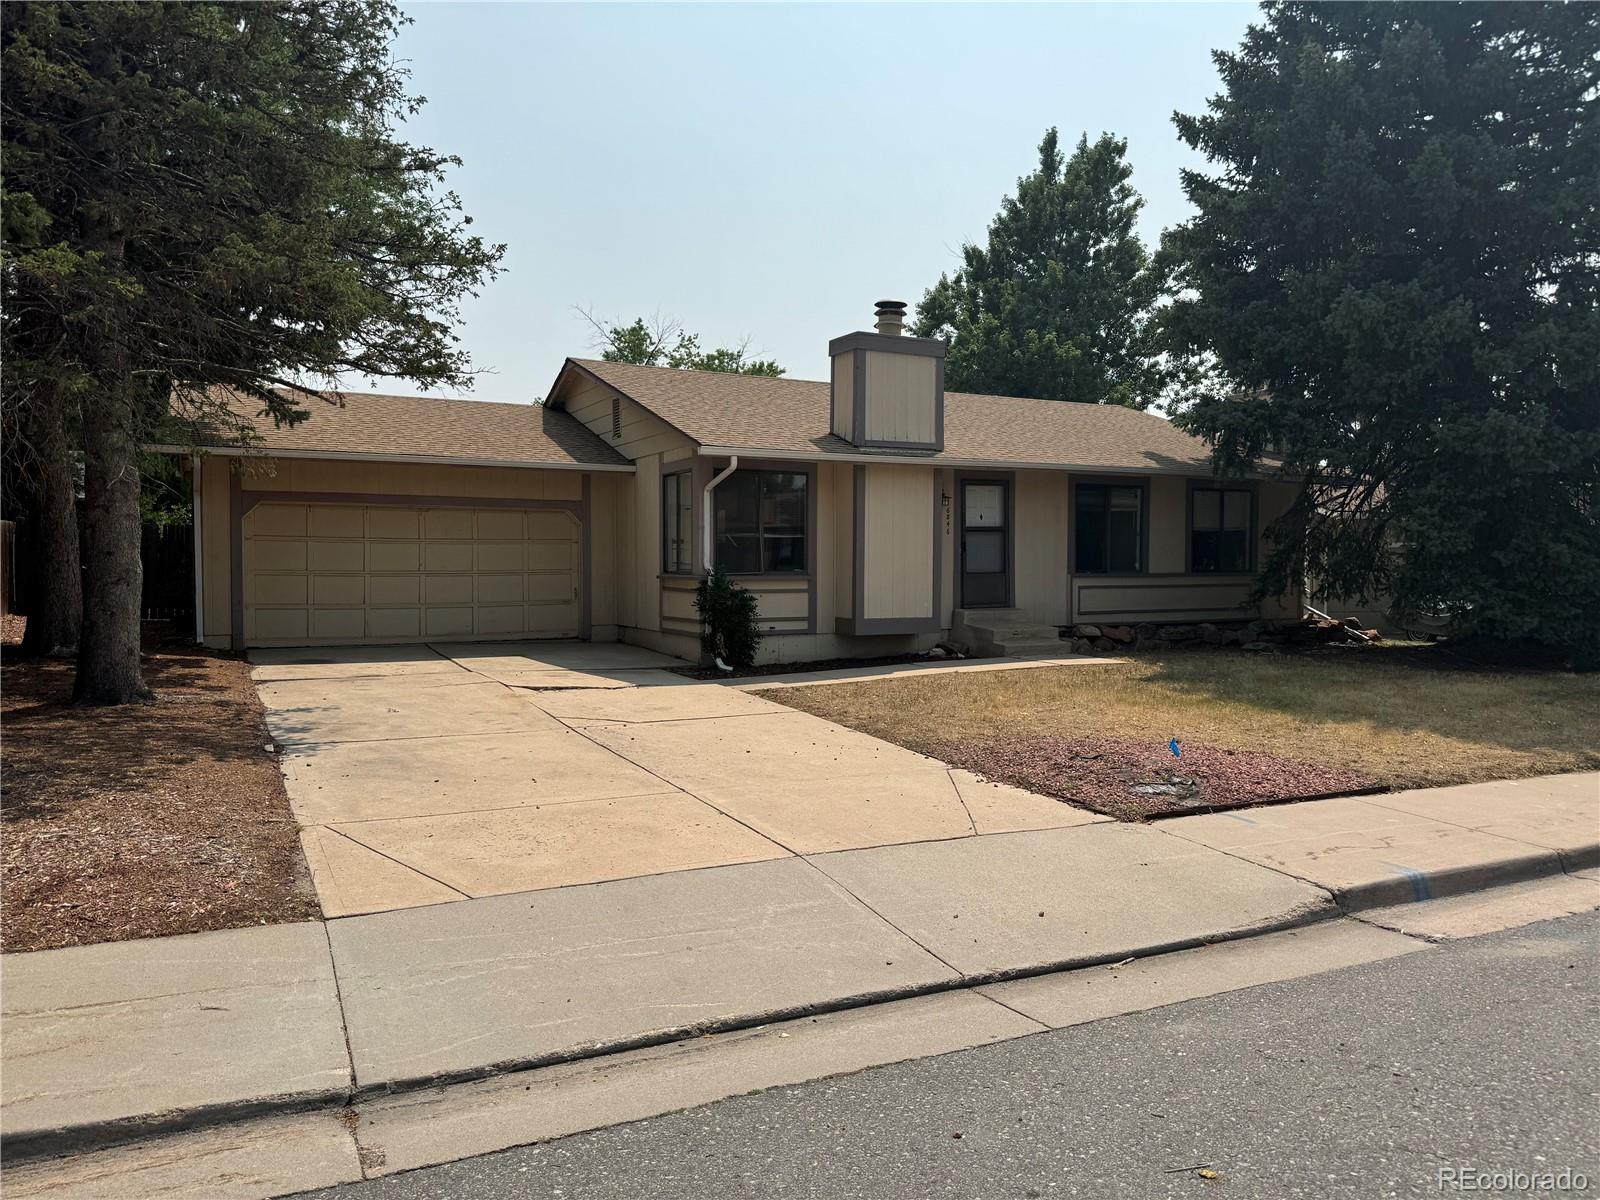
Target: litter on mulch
1134, 779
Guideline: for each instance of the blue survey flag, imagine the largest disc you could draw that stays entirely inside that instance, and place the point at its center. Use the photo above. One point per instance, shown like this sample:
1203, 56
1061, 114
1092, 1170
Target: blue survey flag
1177, 751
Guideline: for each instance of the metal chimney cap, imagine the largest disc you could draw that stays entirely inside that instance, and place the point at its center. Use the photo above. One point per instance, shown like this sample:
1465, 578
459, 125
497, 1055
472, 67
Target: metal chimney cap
892, 306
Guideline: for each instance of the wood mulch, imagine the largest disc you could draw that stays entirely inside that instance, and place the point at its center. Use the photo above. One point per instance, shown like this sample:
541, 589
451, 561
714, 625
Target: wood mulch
1136, 779
143, 820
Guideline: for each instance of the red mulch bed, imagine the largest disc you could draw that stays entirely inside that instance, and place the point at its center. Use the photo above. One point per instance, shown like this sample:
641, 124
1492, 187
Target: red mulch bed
146, 819
1102, 773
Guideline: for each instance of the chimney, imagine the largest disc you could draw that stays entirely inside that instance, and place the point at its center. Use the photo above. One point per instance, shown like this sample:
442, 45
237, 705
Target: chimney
891, 316
887, 388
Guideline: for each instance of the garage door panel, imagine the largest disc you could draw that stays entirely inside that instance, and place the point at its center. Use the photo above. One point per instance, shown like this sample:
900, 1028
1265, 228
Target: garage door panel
546, 589
553, 556
447, 523
394, 556
279, 556
339, 589
276, 520
348, 573
394, 622
278, 589
328, 521
555, 526
447, 556
500, 618
441, 621
553, 620
279, 624
502, 556
338, 624
394, 589
500, 589
338, 556
499, 525
394, 523
447, 589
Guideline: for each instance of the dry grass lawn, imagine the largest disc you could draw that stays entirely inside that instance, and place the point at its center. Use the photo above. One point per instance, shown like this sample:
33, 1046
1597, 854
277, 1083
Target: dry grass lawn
1393, 725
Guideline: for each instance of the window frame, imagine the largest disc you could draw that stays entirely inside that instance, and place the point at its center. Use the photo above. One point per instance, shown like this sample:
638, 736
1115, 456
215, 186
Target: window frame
1251, 535
1106, 483
685, 480
807, 471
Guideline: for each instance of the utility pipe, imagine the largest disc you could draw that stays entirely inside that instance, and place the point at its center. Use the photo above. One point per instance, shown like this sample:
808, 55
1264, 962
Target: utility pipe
705, 511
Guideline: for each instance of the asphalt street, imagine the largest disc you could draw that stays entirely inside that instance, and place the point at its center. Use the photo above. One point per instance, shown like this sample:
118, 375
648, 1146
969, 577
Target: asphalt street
1481, 1055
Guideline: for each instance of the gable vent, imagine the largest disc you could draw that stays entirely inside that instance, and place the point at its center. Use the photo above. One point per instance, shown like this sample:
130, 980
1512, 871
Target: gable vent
616, 417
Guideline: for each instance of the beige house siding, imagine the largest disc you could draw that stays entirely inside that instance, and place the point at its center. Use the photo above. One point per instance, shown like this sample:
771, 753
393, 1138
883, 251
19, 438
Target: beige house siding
1039, 510
843, 395
898, 548
642, 432
901, 390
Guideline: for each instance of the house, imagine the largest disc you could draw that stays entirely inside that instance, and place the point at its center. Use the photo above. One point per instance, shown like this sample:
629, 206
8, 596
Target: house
871, 514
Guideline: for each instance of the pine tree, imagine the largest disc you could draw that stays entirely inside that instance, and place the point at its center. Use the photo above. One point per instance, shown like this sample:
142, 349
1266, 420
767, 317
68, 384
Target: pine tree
1394, 274
1059, 304
216, 197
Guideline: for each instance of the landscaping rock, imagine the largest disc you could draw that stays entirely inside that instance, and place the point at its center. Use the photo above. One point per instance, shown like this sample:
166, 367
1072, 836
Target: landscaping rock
954, 648
1086, 631
1145, 630
1179, 633
1210, 634
1118, 633
1104, 643
938, 652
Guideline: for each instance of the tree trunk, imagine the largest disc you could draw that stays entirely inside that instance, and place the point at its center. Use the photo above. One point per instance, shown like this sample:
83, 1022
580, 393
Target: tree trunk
109, 670
55, 581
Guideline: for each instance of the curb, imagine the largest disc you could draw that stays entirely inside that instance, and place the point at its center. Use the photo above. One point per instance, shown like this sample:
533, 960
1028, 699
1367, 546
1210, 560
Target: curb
1408, 887
25, 1145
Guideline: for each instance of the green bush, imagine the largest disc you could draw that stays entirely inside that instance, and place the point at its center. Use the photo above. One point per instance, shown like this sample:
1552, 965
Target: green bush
728, 626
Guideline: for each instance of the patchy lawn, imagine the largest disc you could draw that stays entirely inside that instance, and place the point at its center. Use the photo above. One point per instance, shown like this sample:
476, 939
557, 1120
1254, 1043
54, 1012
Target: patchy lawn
1252, 728
143, 820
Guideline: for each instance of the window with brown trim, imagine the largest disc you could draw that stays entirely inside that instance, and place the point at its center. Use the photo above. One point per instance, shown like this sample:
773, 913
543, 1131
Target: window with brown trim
1219, 530
761, 519
677, 524
1108, 529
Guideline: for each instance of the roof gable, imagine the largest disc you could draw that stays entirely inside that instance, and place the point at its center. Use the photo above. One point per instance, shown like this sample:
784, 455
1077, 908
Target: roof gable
793, 416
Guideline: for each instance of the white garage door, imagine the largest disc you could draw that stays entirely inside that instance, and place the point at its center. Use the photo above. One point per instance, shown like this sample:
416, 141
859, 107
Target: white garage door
337, 573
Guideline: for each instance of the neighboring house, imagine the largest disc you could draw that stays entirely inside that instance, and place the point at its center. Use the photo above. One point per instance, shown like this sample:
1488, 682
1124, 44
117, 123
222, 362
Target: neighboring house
871, 515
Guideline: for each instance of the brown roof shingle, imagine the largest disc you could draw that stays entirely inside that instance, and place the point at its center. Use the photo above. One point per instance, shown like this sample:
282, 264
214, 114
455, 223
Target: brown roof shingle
791, 415
431, 427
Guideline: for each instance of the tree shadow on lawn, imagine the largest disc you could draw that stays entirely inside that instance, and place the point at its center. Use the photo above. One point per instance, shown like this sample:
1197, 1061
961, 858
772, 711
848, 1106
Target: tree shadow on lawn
205, 716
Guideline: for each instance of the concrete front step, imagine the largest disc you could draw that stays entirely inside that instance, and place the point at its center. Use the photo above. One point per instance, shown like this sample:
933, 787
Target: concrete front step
1005, 631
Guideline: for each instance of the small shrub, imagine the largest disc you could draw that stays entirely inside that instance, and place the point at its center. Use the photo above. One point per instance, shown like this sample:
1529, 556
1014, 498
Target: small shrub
727, 620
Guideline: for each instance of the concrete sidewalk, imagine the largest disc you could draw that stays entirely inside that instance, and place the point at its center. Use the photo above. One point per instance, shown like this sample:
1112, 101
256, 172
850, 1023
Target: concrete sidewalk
131, 1038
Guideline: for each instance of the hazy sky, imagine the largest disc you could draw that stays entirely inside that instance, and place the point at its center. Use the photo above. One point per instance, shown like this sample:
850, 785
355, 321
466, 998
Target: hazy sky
771, 170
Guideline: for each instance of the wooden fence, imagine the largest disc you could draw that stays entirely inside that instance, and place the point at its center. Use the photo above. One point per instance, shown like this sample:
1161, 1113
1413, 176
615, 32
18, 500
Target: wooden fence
168, 556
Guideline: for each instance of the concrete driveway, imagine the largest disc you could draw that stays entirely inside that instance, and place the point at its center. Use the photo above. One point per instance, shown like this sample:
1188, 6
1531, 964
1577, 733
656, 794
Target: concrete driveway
427, 774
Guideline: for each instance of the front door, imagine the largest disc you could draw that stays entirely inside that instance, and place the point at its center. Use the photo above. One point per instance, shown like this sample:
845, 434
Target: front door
985, 543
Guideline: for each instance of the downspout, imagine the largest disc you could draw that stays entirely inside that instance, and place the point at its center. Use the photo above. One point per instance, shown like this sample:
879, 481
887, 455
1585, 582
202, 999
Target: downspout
199, 590
705, 511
